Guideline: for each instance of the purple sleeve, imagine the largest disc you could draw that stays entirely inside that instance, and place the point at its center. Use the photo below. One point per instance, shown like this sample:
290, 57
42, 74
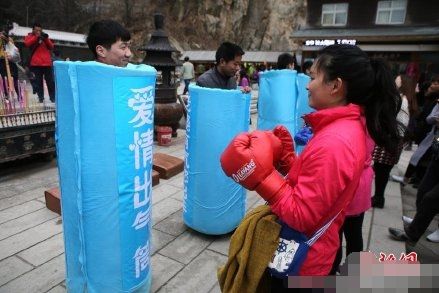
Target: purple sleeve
244, 82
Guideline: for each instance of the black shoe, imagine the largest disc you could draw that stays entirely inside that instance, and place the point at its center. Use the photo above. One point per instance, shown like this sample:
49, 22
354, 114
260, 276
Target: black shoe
400, 235
377, 202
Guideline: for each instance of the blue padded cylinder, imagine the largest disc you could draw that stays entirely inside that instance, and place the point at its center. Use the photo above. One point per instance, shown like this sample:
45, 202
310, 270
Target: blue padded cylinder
213, 203
277, 99
104, 134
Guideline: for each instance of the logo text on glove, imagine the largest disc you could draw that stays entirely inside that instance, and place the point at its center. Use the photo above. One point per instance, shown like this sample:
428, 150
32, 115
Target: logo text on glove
245, 171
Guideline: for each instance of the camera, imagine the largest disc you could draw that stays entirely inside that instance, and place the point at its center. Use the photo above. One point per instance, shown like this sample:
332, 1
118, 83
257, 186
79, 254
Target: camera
44, 35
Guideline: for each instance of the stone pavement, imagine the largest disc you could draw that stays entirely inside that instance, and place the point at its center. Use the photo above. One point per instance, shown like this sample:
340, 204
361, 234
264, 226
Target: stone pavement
183, 260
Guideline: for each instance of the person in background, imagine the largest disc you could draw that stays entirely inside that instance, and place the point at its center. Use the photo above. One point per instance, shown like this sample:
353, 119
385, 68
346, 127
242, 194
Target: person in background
187, 73
40, 46
13, 56
110, 43
427, 198
222, 76
384, 160
285, 61
423, 137
243, 79
56, 56
306, 67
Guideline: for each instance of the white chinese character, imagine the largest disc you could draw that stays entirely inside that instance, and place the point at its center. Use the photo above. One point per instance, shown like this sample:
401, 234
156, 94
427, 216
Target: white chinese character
144, 189
143, 142
142, 219
141, 259
142, 103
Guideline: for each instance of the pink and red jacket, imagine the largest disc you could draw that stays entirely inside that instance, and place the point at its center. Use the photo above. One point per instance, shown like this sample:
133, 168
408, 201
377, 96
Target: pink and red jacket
362, 198
323, 180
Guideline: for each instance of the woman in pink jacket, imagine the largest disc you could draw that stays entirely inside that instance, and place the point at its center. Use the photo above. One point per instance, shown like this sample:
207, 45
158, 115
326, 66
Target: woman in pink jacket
352, 95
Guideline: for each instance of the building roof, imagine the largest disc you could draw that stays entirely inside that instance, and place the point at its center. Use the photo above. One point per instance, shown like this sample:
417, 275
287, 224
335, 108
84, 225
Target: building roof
249, 56
59, 37
377, 33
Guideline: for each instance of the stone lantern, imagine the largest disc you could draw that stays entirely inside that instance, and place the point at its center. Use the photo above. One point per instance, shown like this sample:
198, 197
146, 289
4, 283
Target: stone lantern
167, 111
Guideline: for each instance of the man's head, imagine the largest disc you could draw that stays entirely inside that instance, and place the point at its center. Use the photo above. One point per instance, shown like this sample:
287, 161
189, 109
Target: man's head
37, 29
433, 89
228, 58
186, 59
110, 43
307, 67
285, 61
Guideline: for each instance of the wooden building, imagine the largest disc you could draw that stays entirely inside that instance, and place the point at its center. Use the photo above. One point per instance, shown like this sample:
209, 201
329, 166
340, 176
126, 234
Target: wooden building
405, 32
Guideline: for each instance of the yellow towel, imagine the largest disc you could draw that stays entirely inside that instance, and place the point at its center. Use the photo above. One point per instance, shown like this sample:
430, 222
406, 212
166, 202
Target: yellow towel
251, 248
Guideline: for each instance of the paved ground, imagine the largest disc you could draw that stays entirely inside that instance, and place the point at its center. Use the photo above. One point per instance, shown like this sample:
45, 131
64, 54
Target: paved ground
31, 243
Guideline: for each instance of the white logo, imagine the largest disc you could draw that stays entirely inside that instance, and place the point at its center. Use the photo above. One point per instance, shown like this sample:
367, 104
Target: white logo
245, 171
284, 255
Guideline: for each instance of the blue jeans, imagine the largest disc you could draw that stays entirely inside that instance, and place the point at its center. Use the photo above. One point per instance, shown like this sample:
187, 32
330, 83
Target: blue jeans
186, 85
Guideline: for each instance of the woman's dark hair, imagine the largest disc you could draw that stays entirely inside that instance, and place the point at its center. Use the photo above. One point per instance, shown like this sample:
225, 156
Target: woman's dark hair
243, 73
284, 60
228, 51
106, 33
408, 89
370, 84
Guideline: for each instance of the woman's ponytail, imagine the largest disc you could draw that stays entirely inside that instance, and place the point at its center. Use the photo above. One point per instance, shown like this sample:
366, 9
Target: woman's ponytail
383, 105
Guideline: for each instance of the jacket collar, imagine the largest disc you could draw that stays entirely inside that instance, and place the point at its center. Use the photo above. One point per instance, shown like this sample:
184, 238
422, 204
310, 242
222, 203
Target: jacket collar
319, 119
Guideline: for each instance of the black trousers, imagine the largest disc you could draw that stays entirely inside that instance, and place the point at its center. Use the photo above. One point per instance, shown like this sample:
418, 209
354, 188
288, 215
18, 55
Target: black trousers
280, 285
45, 72
427, 201
418, 171
382, 172
352, 230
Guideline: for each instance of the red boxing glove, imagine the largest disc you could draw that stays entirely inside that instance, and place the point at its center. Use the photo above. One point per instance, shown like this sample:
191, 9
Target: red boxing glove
287, 155
248, 159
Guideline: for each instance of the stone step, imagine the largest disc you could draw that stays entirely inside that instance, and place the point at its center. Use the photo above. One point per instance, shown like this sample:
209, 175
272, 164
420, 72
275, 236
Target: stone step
53, 200
53, 195
167, 165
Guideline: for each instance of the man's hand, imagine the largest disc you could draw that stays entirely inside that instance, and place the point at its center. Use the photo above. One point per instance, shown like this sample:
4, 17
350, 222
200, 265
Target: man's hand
246, 89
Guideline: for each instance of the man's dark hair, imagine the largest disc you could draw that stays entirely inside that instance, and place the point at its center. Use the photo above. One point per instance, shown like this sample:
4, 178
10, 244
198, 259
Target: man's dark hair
186, 58
306, 65
106, 33
284, 60
435, 78
228, 51
36, 24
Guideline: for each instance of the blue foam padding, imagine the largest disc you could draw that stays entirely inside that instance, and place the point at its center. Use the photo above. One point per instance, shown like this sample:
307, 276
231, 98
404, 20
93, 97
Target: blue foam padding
105, 194
213, 203
277, 99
